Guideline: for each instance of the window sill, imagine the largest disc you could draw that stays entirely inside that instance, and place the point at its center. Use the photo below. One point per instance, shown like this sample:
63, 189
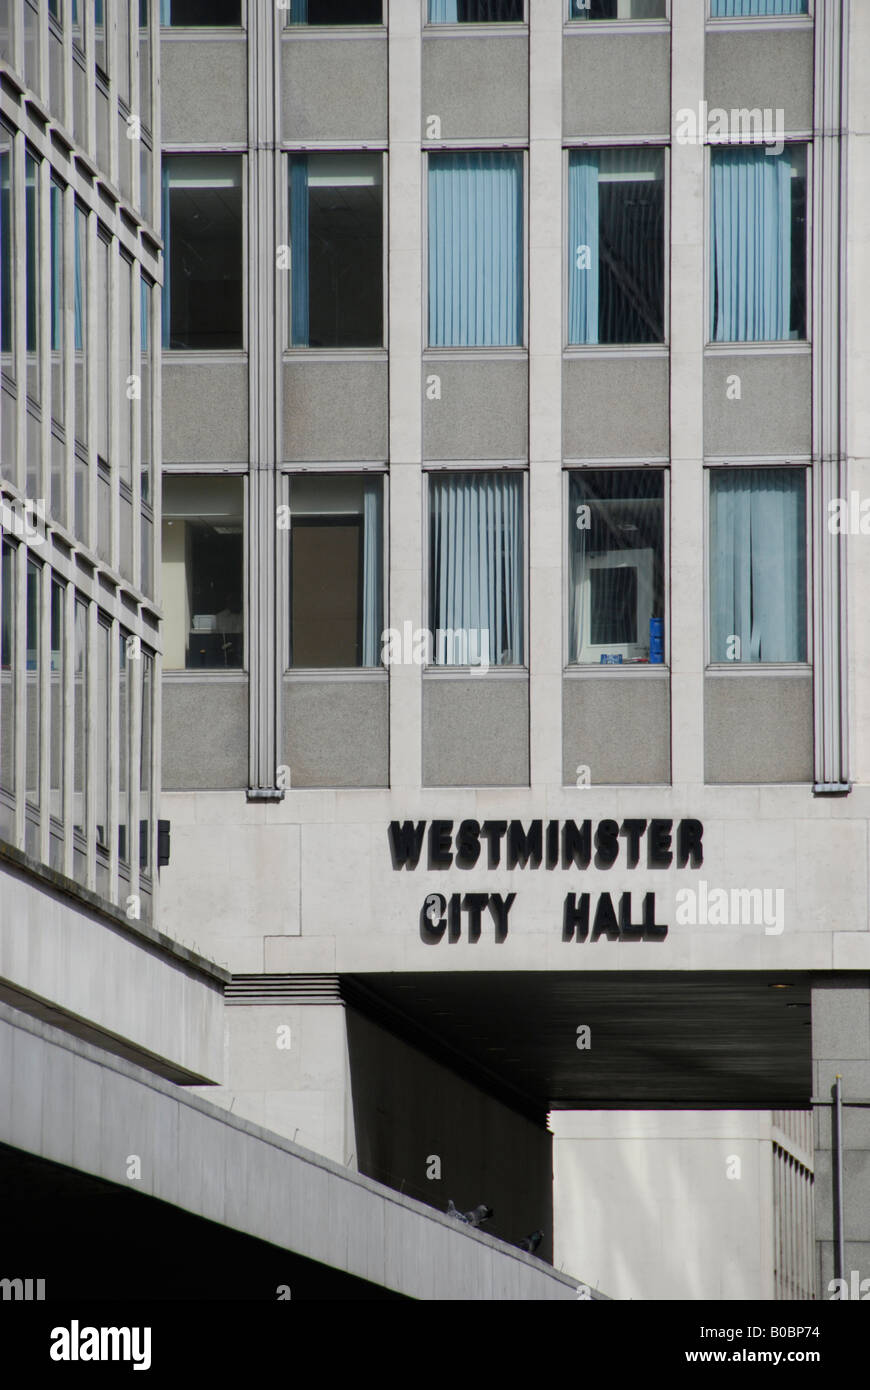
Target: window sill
575, 350
339, 674
645, 670
475, 673
759, 668
210, 673
617, 26
513, 352
752, 23
755, 347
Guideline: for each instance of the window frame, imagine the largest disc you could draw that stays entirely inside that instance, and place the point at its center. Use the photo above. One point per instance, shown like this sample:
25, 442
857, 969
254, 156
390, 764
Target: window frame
571, 22
754, 345
289, 349
184, 470
436, 147
758, 20
643, 671
435, 669
284, 614
174, 152
485, 26
762, 667
629, 143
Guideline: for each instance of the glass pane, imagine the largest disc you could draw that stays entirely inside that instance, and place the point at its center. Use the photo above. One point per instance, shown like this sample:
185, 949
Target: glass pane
475, 11
336, 570
197, 13
475, 250
8, 712
125, 670
33, 710
103, 724
80, 718
202, 228
31, 46
100, 55
333, 11
616, 590
57, 280
103, 347
758, 562
336, 250
127, 385
80, 325
616, 245
145, 402
32, 275
202, 572
123, 51
728, 9
759, 244
58, 625
145, 765
476, 569
7, 279
145, 62
618, 9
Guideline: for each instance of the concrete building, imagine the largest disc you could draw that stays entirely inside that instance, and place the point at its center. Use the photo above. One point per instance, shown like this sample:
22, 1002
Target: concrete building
494, 646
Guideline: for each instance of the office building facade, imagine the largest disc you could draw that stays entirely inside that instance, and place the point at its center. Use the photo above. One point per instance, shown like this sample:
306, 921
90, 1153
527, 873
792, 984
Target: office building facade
500, 655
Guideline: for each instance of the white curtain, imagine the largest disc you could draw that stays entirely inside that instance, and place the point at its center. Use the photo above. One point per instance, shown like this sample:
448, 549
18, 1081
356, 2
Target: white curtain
476, 568
758, 564
475, 250
751, 281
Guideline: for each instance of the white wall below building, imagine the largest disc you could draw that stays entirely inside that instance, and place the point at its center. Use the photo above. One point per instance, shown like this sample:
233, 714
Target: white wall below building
645, 1206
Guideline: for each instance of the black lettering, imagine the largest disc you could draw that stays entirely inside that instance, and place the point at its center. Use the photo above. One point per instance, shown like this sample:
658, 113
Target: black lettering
632, 830
432, 931
454, 925
605, 923
494, 830
575, 917
606, 844
552, 844
652, 930
500, 907
576, 845
468, 844
659, 852
406, 841
473, 904
440, 853
627, 932
525, 849
689, 848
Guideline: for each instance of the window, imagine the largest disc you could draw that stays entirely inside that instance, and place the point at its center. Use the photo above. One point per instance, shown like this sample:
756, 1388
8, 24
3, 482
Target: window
8, 662
758, 580
336, 250
7, 282
57, 702
759, 244
80, 717
202, 230
32, 274
618, 9
475, 11
476, 568
334, 12
80, 315
202, 572
616, 544
145, 765
100, 57
730, 9
475, 250
195, 14
126, 678
336, 570
103, 725
616, 244
33, 702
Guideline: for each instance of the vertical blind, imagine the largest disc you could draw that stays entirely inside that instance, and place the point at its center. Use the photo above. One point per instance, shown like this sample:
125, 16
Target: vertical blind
475, 250
734, 9
758, 564
751, 245
476, 564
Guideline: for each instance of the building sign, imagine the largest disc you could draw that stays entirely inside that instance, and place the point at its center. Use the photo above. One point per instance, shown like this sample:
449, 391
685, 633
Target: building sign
553, 845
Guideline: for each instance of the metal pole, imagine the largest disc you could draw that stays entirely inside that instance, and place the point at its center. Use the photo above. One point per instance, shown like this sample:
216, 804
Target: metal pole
838, 1177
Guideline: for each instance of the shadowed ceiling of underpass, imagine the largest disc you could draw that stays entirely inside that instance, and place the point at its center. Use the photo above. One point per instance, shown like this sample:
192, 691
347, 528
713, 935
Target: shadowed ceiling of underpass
675, 1039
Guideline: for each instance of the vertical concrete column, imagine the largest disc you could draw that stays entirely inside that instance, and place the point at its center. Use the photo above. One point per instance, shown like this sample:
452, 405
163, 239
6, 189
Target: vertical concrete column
264, 360
546, 590
688, 333
405, 535
841, 1047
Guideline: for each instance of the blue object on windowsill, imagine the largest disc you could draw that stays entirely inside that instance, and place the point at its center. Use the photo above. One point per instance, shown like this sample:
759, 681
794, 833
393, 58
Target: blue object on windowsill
656, 641
614, 660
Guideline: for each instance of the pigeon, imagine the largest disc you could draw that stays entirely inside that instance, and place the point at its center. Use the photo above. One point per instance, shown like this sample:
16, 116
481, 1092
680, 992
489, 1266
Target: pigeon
475, 1217
531, 1243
